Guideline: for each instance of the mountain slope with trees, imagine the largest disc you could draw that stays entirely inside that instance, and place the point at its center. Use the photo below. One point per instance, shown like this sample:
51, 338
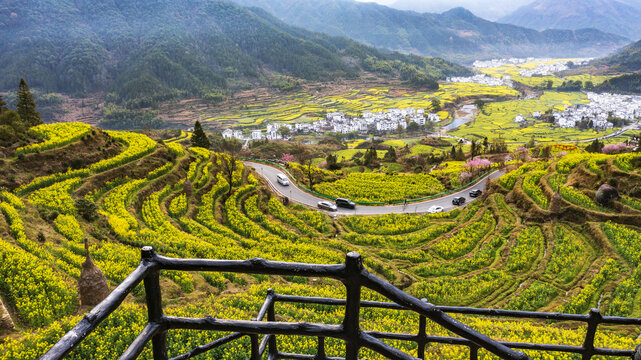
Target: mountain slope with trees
456, 34
613, 16
142, 53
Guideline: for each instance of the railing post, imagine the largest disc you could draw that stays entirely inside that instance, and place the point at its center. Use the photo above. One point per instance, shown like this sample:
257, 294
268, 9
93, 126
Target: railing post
271, 316
353, 268
255, 355
474, 352
320, 353
594, 318
422, 324
154, 305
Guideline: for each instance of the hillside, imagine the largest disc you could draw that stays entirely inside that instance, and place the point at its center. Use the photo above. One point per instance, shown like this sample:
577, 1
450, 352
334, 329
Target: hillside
627, 62
456, 34
610, 16
141, 53
627, 59
535, 241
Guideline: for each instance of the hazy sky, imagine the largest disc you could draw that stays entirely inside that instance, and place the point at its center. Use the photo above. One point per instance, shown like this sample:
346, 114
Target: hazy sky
489, 9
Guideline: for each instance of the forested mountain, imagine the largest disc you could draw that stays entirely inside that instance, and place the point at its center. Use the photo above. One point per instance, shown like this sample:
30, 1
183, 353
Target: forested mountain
626, 60
456, 34
613, 16
142, 52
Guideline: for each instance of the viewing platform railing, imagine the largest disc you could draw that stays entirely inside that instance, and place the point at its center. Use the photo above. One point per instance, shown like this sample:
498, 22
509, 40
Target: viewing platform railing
354, 276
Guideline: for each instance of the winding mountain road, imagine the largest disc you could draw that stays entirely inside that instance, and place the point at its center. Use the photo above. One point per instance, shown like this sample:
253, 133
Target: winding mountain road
295, 193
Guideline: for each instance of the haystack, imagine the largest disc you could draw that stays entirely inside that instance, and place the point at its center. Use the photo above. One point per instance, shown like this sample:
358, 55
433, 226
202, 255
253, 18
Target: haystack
6, 324
556, 203
606, 195
92, 285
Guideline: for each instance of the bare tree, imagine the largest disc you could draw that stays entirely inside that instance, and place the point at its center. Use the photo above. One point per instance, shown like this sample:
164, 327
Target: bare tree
305, 157
231, 148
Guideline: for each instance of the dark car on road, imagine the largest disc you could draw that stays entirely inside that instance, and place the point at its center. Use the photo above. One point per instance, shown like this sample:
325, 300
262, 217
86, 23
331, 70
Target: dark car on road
459, 200
476, 193
344, 203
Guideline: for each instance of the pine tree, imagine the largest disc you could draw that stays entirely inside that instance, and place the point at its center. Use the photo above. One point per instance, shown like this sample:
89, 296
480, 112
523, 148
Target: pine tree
390, 155
199, 138
3, 105
26, 106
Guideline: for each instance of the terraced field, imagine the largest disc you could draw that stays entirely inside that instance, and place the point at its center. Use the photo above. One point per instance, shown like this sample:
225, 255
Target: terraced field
509, 250
306, 107
498, 119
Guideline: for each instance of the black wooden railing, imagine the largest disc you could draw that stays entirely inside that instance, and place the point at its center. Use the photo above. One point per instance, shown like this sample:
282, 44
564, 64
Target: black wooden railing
354, 276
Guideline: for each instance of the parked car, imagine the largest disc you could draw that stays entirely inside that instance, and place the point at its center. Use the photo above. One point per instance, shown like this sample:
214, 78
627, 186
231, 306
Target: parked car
435, 209
476, 193
344, 203
326, 205
282, 179
459, 200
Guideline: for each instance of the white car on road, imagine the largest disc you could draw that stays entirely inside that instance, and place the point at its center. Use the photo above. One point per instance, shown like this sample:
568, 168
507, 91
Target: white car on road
435, 209
282, 179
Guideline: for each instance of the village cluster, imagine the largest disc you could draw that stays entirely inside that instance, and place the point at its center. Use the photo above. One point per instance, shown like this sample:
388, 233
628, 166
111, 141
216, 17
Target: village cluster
369, 123
545, 68
483, 79
597, 112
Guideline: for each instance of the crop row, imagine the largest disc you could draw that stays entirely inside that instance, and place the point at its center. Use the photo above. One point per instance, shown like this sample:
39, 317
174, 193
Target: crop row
578, 198
54, 135
374, 187
465, 239
568, 255
582, 301
138, 145
57, 197
401, 241
483, 257
526, 249
534, 297
178, 206
394, 224
532, 189
625, 240
39, 295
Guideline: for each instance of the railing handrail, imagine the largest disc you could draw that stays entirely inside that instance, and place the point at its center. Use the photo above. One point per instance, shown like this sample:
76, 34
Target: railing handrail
353, 275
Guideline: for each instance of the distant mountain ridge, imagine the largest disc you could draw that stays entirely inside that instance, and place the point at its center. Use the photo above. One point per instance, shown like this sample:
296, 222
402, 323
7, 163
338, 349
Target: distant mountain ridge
612, 16
142, 52
456, 34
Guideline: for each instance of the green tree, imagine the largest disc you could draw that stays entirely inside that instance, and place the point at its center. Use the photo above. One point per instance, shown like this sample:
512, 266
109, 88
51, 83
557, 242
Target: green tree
199, 138
530, 144
413, 127
390, 155
549, 84
370, 158
475, 148
26, 106
436, 104
480, 104
332, 162
284, 131
3, 105
453, 152
460, 155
